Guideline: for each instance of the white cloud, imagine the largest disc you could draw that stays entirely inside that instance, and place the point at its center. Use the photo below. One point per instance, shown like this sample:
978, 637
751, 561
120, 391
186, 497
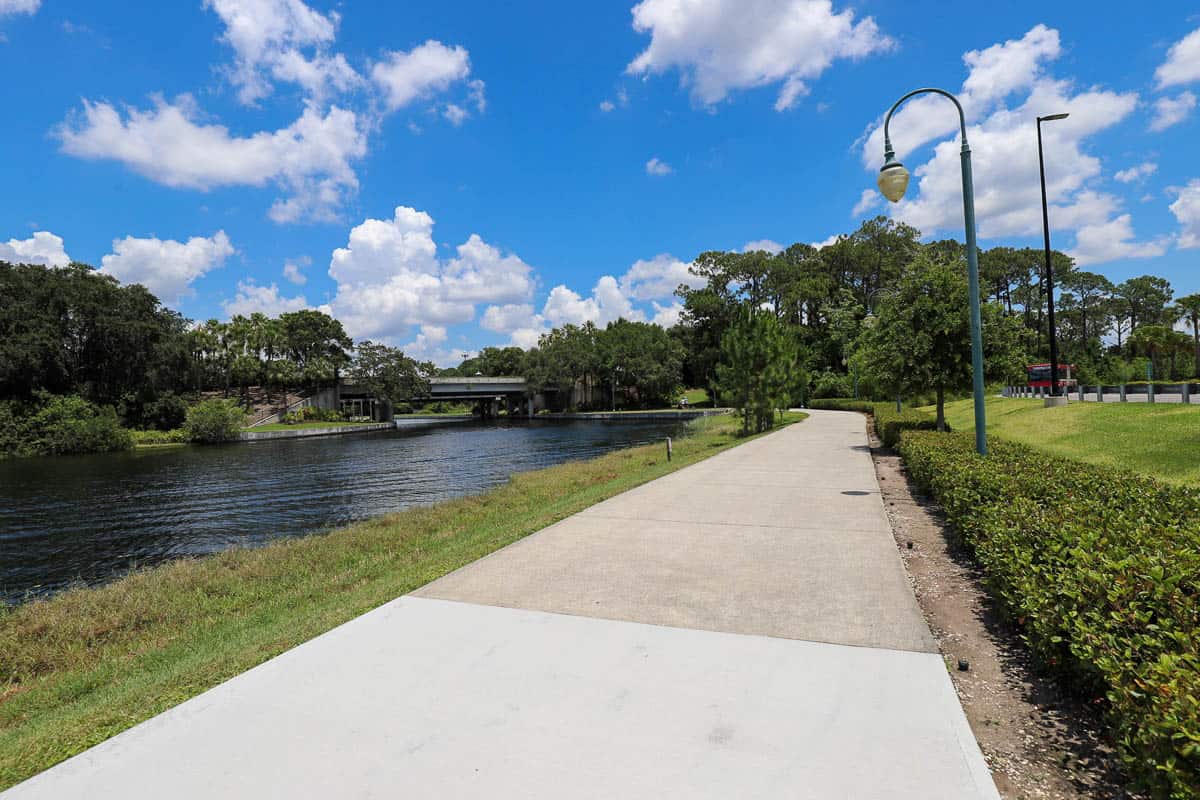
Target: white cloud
656, 167
455, 113
1182, 64
268, 38
1186, 209
166, 267
1136, 173
659, 277
251, 298
426, 69
1170, 111
1113, 239
667, 316
1004, 92
827, 242
293, 270
390, 278
721, 46
19, 6
507, 318
42, 248
768, 245
866, 201
310, 159
607, 106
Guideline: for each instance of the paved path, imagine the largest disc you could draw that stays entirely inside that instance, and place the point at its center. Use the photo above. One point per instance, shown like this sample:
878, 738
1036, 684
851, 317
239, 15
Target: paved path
741, 628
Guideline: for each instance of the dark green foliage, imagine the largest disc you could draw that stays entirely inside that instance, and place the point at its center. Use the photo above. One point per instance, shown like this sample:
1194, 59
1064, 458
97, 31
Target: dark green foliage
214, 421
759, 368
60, 425
842, 404
1100, 568
890, 423
389, 374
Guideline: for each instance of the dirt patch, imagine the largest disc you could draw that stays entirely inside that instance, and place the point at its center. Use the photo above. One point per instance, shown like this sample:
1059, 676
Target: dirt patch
1038, 740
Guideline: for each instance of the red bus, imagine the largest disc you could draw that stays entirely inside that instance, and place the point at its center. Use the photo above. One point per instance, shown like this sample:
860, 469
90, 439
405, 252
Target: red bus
1039, 376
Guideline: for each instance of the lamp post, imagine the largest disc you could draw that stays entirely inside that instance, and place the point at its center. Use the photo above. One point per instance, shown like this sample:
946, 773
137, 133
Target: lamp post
1049, 270
893, 182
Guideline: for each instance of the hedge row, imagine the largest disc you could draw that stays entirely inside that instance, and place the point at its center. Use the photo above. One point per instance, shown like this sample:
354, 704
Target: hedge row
889, 423
1100, 568
842, 404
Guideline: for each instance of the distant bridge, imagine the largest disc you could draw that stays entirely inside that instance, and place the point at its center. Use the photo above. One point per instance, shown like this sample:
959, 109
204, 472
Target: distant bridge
489, 394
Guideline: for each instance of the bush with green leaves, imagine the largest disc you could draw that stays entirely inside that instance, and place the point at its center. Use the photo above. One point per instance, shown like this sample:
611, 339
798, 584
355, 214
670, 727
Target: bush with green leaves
842, 404
177, 436
1100, 569
214, 421
890, 423
60, 425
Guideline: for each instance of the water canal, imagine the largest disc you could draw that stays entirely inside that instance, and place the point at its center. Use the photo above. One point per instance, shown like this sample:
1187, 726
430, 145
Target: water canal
87, 519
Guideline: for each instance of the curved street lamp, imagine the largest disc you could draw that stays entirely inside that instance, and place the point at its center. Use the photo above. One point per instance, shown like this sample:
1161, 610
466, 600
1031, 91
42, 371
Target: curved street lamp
893, 182
1049, 271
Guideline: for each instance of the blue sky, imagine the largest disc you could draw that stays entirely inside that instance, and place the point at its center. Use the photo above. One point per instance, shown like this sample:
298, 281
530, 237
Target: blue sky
445, 176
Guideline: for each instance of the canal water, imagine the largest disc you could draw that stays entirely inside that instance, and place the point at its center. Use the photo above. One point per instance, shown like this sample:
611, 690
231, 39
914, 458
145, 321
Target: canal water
87, 519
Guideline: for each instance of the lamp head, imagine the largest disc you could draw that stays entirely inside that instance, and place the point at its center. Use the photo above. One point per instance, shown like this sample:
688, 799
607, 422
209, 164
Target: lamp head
1053, 117
893, 179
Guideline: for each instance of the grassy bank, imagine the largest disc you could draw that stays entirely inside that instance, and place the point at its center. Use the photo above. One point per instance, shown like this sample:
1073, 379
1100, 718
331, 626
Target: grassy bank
89, 663
1158, 440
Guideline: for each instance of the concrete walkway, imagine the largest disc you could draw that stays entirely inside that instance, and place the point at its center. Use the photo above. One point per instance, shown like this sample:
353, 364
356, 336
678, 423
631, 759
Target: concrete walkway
741, 628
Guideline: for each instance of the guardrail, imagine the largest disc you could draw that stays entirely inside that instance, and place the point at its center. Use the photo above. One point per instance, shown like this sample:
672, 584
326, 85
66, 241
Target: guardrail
1118, 393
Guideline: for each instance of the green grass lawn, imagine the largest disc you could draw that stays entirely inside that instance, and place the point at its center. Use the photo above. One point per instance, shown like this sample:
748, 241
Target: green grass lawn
82, 666
299, 426
1161, 440
698, 398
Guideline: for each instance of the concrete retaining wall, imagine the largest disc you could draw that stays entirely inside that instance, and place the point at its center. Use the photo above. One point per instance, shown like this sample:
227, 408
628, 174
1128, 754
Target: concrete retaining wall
300, 433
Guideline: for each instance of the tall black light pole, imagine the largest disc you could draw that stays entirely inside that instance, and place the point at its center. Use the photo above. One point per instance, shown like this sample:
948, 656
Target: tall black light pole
1049, 269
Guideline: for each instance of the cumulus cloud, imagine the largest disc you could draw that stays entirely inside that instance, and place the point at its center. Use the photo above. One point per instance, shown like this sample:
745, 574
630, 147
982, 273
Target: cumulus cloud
1182, 64
720, 46
1006, 88
270, 39
1170, 111
293, 270
164, 266
866, 201
19, 6
390, 277
42, 248
606, 304
659, 277
310, 159
657, 167
1186, 209
767, 245
1113, 239
251, 298
1136, 173
432, 67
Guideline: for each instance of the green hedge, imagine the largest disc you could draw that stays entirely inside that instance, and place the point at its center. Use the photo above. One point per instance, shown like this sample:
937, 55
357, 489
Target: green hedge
842, 404
890, 423
177, 436
1100, 568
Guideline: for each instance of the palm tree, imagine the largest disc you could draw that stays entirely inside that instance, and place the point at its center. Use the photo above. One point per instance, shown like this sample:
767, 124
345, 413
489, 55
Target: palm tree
1189, 309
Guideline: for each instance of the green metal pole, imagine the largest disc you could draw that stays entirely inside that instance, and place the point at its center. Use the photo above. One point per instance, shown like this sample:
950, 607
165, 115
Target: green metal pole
972, 253
973, 288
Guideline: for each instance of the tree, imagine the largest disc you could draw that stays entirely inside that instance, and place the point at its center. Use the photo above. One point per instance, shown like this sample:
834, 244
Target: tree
1145, 299
1189, 308
920, 339
317, 343
389, 374
759, 362
643, 359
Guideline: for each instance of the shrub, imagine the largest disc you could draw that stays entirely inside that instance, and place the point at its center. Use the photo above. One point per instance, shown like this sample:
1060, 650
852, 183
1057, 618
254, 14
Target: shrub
842, 404
214, 421
890, 423
832, 384
166, 413
69, 424
177, 436
1100, 568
